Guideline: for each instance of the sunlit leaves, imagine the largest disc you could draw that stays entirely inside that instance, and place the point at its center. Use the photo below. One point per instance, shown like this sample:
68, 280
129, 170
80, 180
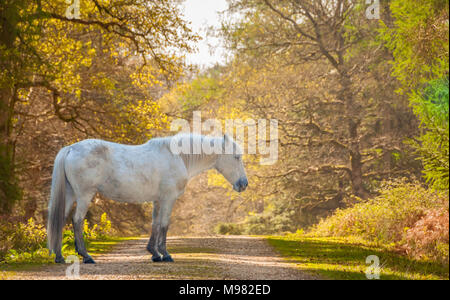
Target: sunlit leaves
419, 41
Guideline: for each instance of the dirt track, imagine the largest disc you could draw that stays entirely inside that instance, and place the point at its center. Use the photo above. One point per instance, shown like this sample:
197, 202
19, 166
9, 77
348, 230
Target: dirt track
231, 257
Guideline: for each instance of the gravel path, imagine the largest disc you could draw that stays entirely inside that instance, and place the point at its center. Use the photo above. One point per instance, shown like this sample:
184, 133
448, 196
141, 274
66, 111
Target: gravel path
221, 257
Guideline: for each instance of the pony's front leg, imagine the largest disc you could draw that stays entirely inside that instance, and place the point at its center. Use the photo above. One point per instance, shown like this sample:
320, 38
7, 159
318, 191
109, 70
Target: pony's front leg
152, 245
162, 245
165, 212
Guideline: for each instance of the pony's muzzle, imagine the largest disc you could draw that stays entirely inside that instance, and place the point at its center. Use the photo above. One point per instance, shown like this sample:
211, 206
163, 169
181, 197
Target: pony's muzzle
241, 184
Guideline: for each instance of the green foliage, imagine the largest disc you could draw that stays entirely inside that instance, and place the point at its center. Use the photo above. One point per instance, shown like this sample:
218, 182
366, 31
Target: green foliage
23, 242
104, 228
201, 93
418, 40
26, 242
432, 108
390, 217
98, 231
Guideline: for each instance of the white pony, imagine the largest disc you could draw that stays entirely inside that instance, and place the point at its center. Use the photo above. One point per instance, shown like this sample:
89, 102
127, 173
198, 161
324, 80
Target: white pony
136, 174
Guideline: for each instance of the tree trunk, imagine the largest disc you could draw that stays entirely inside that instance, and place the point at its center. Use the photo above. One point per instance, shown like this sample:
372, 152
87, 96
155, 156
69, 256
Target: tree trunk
353, 122
8, 187
9, 13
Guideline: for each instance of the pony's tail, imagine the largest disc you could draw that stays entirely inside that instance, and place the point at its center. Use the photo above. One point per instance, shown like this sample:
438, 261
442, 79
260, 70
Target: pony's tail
57, 205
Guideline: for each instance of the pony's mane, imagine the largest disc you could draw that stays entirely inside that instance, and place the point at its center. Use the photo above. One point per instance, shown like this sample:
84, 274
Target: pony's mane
191, 137
190, 159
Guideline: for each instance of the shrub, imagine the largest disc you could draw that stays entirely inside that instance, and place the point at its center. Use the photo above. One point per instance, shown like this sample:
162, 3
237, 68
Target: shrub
268, 223
228, 228
264, 223
405, 215
429, 237
104, 229
29, 236
26, 242
6, 242
23, 242
98, 231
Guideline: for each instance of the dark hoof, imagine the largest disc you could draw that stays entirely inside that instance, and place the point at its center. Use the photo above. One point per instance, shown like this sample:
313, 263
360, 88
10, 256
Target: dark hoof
157, 258
60, 260
167, 258
88, 260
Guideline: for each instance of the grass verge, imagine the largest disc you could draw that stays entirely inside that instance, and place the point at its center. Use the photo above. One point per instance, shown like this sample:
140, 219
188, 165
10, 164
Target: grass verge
345, 259
95, 248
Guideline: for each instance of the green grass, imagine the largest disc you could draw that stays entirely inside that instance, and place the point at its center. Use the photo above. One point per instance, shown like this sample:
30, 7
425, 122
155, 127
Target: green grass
94, 247
98, 247
345, 259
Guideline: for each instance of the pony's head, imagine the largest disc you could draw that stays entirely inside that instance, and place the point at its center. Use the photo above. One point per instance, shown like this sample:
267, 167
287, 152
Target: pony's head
230, 164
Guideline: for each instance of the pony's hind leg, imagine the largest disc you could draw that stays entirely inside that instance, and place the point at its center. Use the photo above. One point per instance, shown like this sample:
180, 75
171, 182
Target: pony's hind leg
70, 200
78, 224
151, 246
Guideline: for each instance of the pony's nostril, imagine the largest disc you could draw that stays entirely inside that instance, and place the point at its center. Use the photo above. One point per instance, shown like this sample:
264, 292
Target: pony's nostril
244, 182
241, 184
